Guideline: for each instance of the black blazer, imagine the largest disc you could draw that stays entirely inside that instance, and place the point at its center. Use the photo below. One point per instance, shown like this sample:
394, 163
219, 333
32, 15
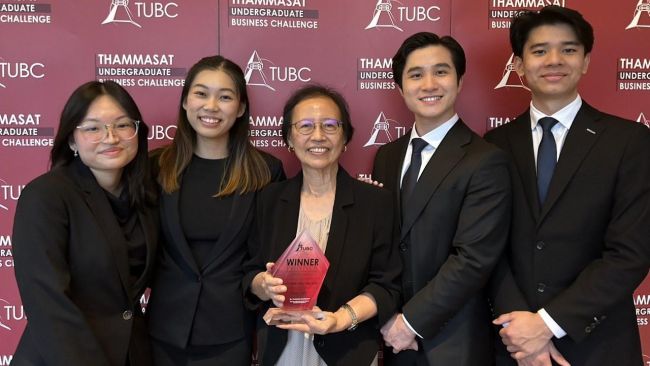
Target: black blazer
183, 294
362, 259
581, 255
73, 274
450, 240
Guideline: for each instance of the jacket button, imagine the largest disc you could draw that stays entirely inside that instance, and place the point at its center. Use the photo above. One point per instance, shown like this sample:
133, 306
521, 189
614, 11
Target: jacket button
588, 329
541, 287
402, 247
127, 315
540, 245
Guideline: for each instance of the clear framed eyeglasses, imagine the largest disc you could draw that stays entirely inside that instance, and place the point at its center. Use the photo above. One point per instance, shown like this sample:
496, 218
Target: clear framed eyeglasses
96, 131
307, 126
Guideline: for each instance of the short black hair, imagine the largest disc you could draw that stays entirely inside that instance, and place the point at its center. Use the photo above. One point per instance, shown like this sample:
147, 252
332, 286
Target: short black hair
313, 91
524, 23
425, 39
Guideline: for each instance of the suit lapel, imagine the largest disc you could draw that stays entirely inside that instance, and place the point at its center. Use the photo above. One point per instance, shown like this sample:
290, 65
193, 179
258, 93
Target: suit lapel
339, 226
396, 163
521, 141
169, 205
444, 159
103, 212
582, 135
289, 206
147, 223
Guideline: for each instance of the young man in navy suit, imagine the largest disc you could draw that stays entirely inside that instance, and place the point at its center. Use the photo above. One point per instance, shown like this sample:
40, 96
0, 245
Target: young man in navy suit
580, 233
453, 193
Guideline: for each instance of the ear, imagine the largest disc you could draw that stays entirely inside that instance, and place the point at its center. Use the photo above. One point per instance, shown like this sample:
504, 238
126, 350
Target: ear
460, 83
585, 65
242, 108
519, 65
185, 104
400, 90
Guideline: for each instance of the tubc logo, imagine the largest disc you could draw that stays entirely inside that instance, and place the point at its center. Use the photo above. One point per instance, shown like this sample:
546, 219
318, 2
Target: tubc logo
8, 192
380, 134
255, 73
643, 119
10, 315
510, 78
120, 13
383, 16
641, 18
161, 132
302, 248
20, 70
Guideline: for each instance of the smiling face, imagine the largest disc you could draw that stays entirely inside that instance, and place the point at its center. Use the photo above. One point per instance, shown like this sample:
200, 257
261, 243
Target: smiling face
112, 154
212, 106
318, 150
430, 86
553, 61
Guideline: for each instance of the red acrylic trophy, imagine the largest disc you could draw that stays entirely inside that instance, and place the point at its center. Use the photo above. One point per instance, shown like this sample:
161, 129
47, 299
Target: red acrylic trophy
302, 268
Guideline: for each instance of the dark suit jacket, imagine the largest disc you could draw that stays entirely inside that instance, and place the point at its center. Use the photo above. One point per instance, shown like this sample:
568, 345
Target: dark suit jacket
581, 255
450, 239
73, 274
362, 259
183, 294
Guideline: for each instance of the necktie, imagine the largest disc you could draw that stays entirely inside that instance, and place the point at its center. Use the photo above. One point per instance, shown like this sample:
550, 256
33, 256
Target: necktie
411, 175
546, 158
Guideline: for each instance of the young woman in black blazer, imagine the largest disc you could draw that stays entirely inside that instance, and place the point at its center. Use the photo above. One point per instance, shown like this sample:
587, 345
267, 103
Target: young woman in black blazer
85, 236
209, 177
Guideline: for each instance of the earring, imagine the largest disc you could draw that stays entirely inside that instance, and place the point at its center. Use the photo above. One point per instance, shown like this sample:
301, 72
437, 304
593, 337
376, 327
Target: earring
76, 152
345, 148
290, 148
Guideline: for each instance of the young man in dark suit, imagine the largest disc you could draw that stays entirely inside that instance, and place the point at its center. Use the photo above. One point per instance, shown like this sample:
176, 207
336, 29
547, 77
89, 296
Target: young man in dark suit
581, 209
453, 193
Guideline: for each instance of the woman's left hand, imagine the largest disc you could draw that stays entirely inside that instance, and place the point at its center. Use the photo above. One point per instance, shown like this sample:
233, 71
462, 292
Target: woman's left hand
316, 322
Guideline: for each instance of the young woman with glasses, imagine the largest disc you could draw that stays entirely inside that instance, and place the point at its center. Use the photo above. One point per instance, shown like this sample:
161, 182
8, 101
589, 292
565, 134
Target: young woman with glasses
85, 236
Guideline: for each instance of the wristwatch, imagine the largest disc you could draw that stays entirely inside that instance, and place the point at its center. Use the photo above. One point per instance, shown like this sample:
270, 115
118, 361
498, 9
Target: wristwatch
353, 315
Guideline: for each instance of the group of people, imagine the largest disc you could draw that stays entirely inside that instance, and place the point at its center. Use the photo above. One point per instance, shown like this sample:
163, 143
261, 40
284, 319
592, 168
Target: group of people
520, 248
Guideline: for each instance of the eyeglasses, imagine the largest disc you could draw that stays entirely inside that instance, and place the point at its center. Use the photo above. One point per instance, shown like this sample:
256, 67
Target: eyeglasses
307, 126
95, 131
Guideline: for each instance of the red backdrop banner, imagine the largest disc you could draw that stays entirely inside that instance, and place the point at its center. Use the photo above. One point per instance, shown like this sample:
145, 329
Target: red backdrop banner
49, 47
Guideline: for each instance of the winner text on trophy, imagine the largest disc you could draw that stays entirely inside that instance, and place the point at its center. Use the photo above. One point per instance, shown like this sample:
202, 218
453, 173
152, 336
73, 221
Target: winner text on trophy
302, 268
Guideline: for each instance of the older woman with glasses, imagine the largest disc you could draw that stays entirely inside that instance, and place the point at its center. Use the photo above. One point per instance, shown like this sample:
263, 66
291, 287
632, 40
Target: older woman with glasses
351, 221
85, 235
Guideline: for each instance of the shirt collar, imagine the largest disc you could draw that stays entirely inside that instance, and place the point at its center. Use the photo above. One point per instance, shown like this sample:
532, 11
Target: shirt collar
565, 115
435, 136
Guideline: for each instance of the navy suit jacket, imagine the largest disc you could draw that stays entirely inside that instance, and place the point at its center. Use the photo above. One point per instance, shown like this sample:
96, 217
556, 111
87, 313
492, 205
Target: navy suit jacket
582, 253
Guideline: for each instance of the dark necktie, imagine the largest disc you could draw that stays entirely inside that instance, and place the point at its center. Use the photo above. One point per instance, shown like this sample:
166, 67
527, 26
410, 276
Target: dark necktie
411, 175
546, 158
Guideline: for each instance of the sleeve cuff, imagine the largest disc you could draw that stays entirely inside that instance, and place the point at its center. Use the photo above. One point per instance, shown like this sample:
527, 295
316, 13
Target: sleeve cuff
558, 332
409, 326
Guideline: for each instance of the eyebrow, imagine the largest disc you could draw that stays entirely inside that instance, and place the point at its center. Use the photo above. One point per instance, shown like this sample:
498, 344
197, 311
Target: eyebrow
206, 87
438, 65
92, 119
567, 43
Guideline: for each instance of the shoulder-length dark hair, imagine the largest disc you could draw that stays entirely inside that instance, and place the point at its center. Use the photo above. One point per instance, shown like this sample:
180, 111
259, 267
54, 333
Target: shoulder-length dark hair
136, 174
246, 171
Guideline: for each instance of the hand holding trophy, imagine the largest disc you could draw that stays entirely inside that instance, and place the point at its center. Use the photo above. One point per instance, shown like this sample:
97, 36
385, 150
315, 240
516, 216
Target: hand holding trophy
294, 281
